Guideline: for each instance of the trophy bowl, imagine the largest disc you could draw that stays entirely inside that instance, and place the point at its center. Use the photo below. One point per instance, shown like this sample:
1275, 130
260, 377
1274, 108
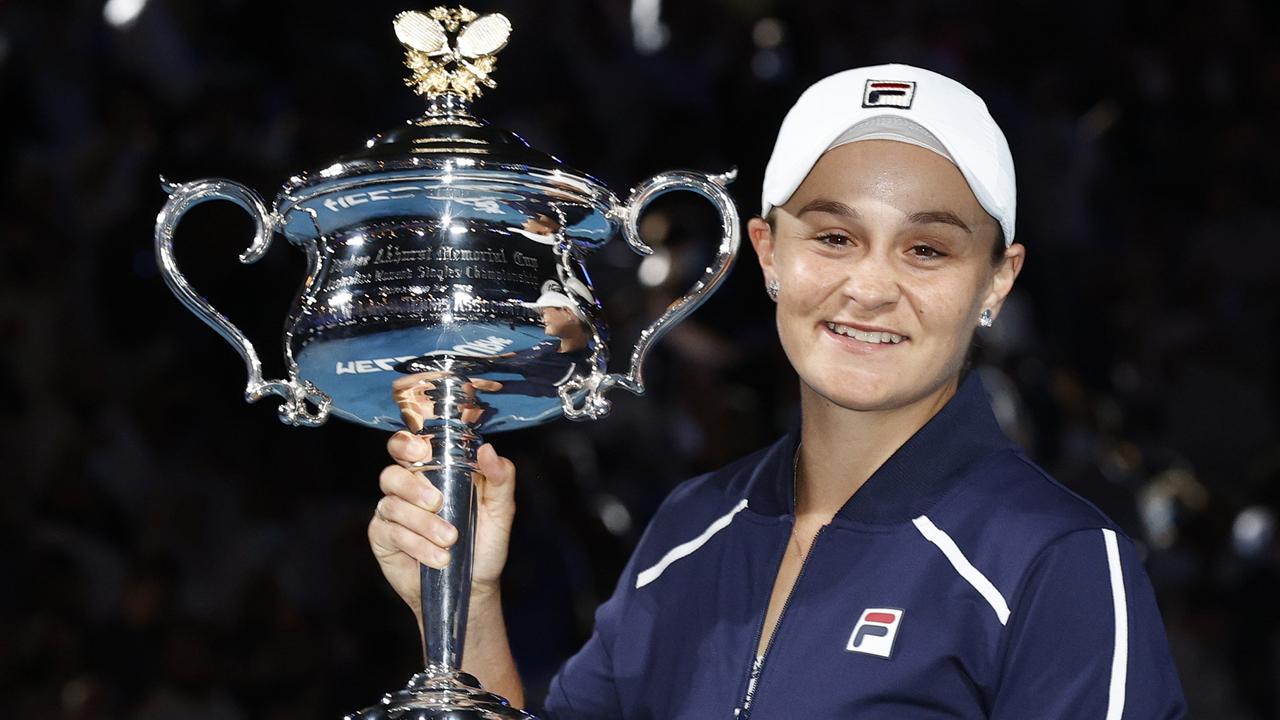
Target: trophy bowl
446, 293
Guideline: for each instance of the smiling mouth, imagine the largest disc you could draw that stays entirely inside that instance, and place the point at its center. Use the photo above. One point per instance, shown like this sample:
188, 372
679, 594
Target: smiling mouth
885, 338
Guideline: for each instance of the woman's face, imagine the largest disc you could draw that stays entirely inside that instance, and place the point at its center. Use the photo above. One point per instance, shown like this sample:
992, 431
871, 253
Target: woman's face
883, 261
558, 321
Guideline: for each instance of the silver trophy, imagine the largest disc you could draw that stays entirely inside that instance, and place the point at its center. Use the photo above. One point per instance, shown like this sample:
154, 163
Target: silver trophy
446, 293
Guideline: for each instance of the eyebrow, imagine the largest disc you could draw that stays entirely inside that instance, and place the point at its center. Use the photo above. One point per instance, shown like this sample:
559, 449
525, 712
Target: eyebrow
835, 207
938, 216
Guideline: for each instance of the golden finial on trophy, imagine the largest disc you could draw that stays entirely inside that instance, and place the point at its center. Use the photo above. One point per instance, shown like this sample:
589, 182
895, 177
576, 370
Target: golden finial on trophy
451, 50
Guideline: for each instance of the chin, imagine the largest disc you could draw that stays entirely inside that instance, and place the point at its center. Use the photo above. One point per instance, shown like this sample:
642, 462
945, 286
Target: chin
863, 391
871, 386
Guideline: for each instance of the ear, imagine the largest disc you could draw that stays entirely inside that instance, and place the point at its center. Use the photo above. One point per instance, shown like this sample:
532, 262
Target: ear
1002, 279
762, 240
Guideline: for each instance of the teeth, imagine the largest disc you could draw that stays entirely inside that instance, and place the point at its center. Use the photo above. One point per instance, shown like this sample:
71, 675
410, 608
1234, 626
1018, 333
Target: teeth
868, 337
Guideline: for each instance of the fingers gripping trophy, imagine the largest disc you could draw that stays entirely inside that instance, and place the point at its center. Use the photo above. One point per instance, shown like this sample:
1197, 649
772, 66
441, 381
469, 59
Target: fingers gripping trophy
446, 294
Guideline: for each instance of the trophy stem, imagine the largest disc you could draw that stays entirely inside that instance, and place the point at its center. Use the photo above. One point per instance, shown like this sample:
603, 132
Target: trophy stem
452, 468
439, 403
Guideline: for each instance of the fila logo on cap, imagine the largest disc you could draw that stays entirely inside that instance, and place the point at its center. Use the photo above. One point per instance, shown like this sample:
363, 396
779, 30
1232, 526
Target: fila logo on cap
875, 632
889, 93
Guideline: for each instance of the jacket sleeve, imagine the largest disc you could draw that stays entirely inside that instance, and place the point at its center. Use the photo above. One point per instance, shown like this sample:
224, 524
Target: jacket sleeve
1085, 638
584, 687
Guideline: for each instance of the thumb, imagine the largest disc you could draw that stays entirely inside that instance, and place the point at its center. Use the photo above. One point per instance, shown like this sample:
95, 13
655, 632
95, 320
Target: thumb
499, 474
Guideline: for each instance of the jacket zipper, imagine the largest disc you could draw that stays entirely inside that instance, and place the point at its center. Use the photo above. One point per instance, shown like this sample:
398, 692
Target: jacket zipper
743, 711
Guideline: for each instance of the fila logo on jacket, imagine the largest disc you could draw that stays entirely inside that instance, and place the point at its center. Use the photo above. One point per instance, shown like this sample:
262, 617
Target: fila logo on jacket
875, 632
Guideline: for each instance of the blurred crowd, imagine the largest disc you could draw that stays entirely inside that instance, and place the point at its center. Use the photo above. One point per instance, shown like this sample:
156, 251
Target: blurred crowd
167, 551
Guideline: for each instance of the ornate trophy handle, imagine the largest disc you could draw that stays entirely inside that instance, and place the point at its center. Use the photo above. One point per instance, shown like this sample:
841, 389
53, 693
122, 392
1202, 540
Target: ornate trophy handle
593, 404
183, 197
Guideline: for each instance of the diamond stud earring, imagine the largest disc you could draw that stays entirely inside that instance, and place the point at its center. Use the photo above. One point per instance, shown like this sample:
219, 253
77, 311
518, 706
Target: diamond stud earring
772, 289
985, 320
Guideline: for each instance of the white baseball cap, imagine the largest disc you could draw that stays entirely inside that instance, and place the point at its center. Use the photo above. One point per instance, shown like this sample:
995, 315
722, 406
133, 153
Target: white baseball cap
895, 102
556, 296
553, 299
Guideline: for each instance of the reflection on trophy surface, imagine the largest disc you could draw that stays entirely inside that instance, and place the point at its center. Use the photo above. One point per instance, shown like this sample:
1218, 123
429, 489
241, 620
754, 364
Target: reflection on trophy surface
416, 396
446, 293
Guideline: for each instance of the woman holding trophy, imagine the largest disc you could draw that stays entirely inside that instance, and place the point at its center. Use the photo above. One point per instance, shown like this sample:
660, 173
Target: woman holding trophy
894, 555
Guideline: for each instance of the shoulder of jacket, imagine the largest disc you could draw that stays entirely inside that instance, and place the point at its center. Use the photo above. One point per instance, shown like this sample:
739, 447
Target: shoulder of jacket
729, 483
1008, 511
1009, 490
695, 503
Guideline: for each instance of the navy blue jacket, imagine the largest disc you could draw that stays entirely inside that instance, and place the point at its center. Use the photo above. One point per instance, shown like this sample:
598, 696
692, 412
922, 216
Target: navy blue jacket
961, 581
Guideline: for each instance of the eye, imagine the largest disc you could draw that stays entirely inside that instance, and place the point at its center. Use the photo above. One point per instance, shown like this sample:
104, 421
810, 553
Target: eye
927, 252
833, 239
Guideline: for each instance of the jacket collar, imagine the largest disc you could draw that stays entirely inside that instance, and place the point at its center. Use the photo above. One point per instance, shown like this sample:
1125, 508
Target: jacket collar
919, 472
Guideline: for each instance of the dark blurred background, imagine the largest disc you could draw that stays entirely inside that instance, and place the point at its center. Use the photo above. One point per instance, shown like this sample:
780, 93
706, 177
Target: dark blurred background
171, 552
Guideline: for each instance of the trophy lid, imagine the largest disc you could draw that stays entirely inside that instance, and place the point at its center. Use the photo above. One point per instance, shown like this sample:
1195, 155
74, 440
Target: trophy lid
451, 53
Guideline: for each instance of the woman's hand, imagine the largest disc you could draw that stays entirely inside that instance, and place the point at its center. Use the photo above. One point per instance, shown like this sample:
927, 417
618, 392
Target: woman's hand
405, 529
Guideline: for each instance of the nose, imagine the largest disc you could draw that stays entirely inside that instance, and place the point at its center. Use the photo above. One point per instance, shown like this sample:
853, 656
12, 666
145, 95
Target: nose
872, 281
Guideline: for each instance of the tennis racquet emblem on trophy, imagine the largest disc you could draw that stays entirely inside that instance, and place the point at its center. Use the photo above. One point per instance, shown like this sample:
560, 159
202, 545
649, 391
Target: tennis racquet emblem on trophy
446, 293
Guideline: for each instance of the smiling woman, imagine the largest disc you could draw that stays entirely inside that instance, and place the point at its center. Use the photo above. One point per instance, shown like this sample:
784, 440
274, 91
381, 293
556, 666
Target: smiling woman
894, 555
